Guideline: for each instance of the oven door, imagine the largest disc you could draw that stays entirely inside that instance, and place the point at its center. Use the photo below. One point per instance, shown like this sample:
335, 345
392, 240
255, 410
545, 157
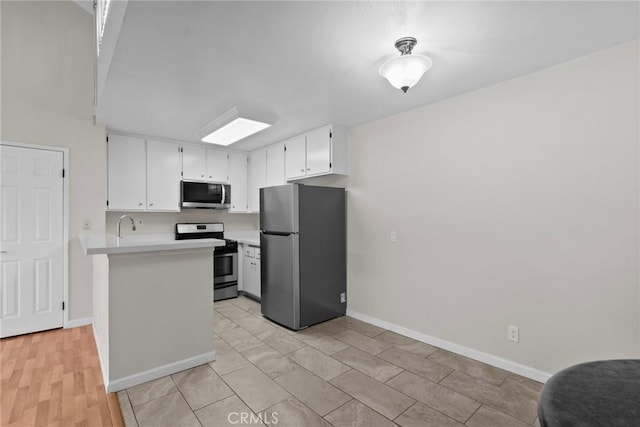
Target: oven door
225, 268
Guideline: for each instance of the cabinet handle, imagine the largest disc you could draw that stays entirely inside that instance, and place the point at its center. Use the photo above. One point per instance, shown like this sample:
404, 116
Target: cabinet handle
201, 176
150, 204
139, 204
209, 176
308, 169
301, 170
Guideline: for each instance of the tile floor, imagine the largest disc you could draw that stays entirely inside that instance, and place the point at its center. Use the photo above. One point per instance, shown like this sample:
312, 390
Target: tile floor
344, 372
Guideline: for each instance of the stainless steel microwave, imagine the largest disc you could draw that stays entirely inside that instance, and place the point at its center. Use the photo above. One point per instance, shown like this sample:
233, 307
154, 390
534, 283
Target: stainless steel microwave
205, 195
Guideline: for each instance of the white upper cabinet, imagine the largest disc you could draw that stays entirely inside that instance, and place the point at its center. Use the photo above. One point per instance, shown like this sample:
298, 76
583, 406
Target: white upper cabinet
126, 169
194, 163
296, 157
257, 177
217, 165
275, 165
238, 181
143, 175
163, 176
200, 163
318, 152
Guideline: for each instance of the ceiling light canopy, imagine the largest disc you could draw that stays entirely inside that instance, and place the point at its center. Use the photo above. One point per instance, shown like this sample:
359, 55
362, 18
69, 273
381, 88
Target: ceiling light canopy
404, 71
233, 126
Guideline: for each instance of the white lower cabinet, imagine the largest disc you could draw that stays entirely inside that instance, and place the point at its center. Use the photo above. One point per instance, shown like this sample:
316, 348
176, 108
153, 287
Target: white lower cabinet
251, 270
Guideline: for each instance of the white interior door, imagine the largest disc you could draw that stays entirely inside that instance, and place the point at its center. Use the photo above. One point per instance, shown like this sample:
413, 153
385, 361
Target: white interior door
31, 240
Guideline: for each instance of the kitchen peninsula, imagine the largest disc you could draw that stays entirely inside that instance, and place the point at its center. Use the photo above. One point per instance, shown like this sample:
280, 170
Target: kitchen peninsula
152, 305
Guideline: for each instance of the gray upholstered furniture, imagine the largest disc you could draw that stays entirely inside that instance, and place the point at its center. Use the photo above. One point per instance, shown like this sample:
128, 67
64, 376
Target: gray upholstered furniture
604, 393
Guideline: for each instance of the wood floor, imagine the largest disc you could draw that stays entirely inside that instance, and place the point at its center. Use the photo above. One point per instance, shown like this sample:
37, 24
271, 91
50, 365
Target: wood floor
53, 378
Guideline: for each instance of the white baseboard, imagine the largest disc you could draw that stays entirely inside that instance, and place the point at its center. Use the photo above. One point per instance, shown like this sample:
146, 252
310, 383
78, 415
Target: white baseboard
489, 359
159, 372
103, 366
78, 322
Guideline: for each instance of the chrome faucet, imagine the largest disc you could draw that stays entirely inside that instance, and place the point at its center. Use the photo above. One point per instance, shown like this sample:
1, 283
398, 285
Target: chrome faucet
133, 225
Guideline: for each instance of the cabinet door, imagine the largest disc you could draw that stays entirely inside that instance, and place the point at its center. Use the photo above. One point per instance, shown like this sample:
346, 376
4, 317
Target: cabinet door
126, 169
319, 151
295, 157
258, 177
194, 163
238, 181
256, 278
217, 165
163, 176
275, 165
247, 272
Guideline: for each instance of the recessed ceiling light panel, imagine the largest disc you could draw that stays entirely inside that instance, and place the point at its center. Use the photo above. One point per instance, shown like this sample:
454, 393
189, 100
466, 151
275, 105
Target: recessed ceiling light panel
232, 127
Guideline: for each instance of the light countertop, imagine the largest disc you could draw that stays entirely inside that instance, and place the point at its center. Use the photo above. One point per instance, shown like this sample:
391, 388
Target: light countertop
251, 237
95, 243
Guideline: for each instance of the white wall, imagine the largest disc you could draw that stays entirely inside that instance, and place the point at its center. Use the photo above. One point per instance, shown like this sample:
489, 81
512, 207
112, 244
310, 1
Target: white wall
47, 95
516, 204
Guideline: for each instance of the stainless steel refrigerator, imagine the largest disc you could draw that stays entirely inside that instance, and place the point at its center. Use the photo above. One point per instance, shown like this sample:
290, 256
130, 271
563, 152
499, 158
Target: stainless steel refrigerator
303, 254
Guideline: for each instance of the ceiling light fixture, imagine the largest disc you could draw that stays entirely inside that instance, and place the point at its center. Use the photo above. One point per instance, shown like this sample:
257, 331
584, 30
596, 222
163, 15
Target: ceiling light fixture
404, 71
232, 127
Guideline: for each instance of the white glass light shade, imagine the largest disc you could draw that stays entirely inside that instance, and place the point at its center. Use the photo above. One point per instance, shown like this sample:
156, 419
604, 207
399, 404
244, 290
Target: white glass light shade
403, 72
235, 130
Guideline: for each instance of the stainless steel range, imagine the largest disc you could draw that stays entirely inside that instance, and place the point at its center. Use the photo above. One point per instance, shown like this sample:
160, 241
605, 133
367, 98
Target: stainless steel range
225, 258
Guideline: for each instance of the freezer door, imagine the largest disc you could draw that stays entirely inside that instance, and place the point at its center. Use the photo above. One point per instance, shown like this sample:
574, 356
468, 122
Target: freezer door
279, 209
280, 279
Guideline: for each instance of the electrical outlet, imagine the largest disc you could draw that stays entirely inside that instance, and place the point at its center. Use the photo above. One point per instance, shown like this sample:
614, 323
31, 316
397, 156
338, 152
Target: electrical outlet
513, 333
86, 224
393, 237
343, 297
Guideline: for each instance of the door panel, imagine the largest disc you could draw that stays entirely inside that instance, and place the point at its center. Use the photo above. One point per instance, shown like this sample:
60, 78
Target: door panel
295, 157
31, 235
217, 166
278, 209
280, 278
275, 165
238, 181
163, 176
126, 174
10, 213
10, 289
318, 151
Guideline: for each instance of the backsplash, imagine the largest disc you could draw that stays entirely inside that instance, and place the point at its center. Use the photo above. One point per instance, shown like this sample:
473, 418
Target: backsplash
164, 222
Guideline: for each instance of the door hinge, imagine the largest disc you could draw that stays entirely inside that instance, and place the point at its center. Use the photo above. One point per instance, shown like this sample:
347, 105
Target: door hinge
63, 173
329, 164
181, 173
330, 135
285, 148
107, 203
62, 305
